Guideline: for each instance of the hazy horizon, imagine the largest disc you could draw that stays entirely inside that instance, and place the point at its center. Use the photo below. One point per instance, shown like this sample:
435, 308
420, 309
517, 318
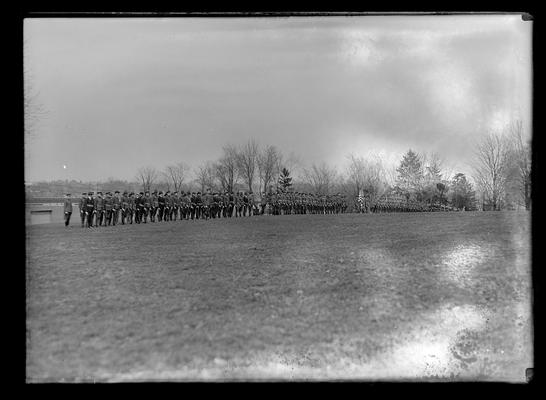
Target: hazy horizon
120, 94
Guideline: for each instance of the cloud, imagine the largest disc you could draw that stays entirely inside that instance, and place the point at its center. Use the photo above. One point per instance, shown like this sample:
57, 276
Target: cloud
317, 87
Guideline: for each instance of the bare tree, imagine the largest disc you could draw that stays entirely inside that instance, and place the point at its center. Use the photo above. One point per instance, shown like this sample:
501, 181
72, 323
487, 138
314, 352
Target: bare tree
355, 174
321, 178
520, 164
490, 167
147, 176
268, 164
432, 167
205, 176
176, 175
367, 177
226, 168
247, 161
435, 180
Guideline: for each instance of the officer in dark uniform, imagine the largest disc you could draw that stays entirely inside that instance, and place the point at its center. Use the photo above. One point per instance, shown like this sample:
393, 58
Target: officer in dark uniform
81, 206
207, 201
141, 211
167, 210
184, 205
154, 206
109, 208
124, 207
245, 204
182, 202
67, 207
172, 203
176, 205
263, 202
198, 206
116, 200
89, 209
272, 199
130, 207
174, 200
135, 205
213, 196
160, 206
251, 204
169, 203
220, 208
229, 204
189, 205
216, 205
224, 201
238, 204
99, 209
192, 205
146, 202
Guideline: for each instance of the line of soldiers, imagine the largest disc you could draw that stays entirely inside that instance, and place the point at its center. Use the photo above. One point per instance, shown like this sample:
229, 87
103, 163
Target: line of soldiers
286, 203
128, 208
388, 205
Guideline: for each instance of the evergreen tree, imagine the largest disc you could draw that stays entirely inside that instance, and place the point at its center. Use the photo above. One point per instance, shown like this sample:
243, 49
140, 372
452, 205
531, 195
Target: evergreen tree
462, 193
285, 180
410, 173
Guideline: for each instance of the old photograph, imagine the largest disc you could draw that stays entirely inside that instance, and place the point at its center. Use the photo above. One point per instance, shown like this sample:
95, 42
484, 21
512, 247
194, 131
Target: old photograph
278, 198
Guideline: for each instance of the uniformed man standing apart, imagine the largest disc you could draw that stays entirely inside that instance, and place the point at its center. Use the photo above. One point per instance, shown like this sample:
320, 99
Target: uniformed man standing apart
67, 208
99, 209
89, 209
82, 208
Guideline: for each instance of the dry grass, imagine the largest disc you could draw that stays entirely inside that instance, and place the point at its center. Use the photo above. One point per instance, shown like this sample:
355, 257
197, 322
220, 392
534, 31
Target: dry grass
306, 296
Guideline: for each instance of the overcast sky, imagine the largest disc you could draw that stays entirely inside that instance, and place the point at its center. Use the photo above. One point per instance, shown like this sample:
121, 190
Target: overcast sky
124, 93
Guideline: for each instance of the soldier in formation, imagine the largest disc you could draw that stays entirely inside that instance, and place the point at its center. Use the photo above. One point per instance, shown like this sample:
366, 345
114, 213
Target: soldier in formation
143, 207
405, 205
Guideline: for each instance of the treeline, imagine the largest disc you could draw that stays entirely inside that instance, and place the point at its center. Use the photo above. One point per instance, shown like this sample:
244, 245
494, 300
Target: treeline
500, 180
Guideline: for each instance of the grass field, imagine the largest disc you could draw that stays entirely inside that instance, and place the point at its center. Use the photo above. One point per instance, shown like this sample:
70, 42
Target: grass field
383, 296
